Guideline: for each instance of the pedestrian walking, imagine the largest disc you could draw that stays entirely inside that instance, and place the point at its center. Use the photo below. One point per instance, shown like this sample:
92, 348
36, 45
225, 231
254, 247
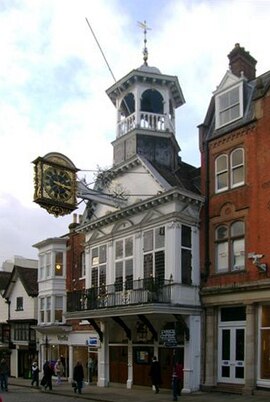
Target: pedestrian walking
35, 374
177, 380
78, 376
4, 372
47, 376
59, 371
155, 374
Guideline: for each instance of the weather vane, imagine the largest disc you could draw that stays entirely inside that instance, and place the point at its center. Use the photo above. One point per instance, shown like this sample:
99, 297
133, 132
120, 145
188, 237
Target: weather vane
145, 28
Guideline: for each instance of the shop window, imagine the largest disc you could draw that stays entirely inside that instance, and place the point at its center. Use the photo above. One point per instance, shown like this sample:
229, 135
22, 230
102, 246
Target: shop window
265, 343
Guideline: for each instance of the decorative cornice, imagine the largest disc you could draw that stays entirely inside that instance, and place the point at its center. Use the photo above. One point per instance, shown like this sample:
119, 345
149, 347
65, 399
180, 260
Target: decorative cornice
228, 137
160, 199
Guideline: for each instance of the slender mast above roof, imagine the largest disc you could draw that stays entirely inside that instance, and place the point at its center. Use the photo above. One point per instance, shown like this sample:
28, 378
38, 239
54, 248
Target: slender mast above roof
145, 28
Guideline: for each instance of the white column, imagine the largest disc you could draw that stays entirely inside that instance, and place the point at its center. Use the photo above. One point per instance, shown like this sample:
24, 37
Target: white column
103, 358
130, 365
192, 358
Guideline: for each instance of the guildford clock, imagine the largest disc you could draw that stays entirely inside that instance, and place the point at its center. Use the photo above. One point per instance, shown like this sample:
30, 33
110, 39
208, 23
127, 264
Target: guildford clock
55, 183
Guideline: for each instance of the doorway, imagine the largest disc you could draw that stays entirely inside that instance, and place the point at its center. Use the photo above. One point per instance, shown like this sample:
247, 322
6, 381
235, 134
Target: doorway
231, 354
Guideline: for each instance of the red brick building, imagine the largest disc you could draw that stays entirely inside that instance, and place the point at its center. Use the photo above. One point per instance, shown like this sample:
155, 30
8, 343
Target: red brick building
235, 236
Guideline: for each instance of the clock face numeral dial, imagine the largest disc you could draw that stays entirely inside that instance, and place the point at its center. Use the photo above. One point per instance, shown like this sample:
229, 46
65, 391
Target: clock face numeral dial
58, 184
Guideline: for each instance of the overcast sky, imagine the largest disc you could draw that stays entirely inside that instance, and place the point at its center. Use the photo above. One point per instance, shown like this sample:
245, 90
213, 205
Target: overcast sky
53, 80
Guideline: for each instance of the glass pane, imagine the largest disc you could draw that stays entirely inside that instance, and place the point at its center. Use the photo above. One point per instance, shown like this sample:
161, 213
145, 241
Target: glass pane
233, 314
95, 258
237, 228
237, 157
102, 254
58, 314
265, 316
48, 303
102, 275
119, 249
221, 163
222, 180
160, 265
238, 175
234, 96
160, 237
240, 344
224, 101
225, 371
59, 302
129, 247
239, 372
129, 267
186, 266
238, 251
94, 281
129, 274
58, 264
186, 236
148, 240
226, 340
222, 233
119, 276
235, 112
148, 265
222, 256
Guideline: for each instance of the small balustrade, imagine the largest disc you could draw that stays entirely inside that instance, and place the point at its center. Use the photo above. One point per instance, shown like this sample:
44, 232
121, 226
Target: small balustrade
147, 121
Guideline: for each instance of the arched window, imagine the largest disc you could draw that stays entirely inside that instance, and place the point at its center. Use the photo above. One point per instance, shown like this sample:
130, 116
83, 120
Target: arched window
237, 167
221, 173
230, 247
229, 175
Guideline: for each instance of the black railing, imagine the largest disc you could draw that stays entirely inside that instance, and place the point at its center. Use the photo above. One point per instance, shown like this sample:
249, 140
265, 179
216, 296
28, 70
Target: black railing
141, 291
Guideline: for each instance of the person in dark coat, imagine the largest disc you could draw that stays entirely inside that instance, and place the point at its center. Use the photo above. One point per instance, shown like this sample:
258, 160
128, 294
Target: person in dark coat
4, 372
78, 376
155, 374
47, 376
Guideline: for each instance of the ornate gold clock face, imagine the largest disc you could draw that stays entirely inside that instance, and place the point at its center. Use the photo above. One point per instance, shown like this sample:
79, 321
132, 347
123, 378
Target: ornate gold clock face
58, 184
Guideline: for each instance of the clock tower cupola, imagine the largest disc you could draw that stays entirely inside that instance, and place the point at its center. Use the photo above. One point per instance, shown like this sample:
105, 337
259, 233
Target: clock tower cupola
145, 101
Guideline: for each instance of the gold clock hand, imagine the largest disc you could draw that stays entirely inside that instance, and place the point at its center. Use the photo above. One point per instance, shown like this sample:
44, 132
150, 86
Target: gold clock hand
61, 184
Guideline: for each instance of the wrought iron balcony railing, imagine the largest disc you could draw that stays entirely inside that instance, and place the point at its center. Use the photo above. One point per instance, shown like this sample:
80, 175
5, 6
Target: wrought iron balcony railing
141, 291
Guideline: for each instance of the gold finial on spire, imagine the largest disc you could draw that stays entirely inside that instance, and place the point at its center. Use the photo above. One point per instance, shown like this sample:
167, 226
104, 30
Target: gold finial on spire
145, 28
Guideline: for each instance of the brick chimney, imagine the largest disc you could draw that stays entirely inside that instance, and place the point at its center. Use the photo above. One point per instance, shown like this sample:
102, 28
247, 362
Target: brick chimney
242, 61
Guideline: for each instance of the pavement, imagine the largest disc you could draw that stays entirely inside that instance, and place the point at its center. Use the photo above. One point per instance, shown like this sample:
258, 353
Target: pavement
118, 393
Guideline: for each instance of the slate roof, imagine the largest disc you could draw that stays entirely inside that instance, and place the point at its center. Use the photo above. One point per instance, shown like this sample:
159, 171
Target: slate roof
185, 176
4, 279
28, 277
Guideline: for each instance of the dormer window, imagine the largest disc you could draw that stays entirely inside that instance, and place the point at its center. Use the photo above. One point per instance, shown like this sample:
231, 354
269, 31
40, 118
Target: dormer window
229, 105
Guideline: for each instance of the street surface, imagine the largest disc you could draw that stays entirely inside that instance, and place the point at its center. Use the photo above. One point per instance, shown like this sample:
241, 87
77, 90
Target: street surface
28, 394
